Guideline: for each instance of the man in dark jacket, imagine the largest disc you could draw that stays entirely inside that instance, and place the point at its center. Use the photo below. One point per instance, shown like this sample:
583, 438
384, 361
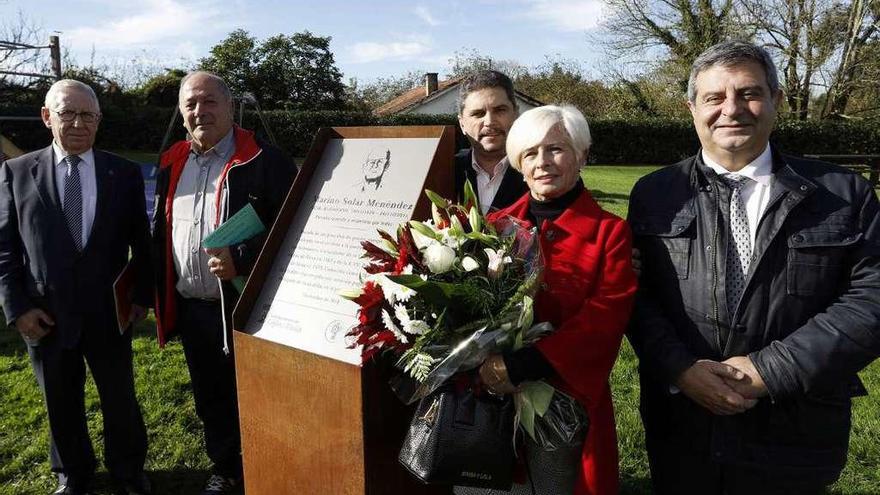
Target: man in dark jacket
203, 182
486, 110
759, 297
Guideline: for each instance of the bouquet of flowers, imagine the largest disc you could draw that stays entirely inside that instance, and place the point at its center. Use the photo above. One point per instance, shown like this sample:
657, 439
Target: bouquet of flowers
444, 294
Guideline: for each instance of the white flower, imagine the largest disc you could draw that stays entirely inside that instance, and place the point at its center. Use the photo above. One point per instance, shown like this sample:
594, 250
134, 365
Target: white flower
455, 226
475, 219
389, 324
393, 291
497, 260
410, 326
439, 258
385, 245
422, 241
351, 293
416, 327
435, 214
469, 264
401, 313
451, 239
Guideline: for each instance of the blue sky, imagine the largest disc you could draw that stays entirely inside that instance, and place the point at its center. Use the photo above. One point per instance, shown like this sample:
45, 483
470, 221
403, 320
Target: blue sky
370, 39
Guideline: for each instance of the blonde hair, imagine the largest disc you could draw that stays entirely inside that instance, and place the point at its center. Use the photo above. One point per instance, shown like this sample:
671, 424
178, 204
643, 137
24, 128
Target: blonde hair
531, 127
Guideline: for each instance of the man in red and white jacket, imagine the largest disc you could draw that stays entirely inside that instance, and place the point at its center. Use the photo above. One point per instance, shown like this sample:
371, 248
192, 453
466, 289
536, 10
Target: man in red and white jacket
201, 183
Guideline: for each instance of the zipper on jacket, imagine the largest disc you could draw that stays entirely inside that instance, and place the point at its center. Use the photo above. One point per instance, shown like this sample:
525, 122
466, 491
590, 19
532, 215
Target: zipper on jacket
224, 212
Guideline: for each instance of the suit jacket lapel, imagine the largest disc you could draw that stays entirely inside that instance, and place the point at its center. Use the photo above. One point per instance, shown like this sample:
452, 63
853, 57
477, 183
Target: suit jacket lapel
43, 172
46, 183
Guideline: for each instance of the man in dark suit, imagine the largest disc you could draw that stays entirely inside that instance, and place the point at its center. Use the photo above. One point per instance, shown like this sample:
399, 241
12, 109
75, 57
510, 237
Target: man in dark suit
486, 110
69, 214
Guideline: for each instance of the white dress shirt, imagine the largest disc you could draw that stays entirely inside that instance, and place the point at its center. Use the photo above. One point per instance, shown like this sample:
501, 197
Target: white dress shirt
487, 186
88, 183
756, 192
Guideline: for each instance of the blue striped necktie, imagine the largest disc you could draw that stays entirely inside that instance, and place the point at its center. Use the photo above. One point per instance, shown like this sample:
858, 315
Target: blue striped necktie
73, 205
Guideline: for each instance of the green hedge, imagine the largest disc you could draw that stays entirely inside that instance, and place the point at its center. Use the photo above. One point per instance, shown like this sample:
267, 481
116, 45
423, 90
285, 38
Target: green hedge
647, 141
132, 129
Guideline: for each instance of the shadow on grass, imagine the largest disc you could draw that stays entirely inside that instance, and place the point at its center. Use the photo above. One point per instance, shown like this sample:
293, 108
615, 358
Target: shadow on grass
634, 485
600, 195
12, 344
165, 482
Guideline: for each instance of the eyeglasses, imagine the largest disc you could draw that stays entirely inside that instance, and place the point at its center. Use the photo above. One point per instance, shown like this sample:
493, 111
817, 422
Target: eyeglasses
70, 116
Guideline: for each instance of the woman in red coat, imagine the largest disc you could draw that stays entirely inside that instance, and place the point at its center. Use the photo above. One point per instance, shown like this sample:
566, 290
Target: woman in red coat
587, 290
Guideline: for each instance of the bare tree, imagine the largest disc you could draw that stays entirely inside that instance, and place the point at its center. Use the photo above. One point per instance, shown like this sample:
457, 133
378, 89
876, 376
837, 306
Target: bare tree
683, 28
862, 29
464, 62
15, 34
803, 34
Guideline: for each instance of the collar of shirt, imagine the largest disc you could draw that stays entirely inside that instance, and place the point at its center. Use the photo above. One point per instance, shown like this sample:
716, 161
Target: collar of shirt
499, 170
759, 170
222, 150
88, 157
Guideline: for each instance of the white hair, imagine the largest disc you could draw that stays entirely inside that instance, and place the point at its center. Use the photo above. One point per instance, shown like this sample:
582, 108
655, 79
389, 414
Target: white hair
533, 125
63, 84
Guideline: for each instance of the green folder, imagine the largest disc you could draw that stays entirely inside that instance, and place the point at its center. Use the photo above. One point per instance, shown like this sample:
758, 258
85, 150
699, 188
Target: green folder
237, 229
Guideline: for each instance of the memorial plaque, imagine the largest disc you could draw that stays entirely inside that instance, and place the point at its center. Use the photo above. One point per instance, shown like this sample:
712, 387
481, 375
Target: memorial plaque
312, 420
359, 186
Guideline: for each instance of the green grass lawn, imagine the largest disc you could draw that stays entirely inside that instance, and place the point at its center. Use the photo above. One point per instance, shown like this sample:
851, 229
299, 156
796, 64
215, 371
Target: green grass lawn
139, 156
178, 464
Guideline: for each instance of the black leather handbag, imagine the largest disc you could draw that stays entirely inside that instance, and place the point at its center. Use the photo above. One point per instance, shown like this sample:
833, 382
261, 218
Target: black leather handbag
459, 438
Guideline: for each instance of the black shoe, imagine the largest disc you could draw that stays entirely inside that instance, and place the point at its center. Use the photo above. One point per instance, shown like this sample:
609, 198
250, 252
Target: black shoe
67, 486
139, 485
221, 485
64, 489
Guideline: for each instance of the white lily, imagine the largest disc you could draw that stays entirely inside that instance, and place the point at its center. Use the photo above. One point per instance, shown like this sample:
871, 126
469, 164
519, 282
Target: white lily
455, 226
439, 258
450, 239
385, 245
475, 219
351, 293
469, 264
435, 214
422, 241
497, 260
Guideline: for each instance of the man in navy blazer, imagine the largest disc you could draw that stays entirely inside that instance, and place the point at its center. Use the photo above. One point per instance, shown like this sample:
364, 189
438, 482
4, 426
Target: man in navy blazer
69, 216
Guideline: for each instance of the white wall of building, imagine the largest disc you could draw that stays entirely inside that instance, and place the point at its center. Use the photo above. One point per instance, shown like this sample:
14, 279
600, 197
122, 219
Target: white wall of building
447, 103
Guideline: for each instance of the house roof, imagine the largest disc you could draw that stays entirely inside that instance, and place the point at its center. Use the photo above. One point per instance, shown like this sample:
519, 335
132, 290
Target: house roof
416, 96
